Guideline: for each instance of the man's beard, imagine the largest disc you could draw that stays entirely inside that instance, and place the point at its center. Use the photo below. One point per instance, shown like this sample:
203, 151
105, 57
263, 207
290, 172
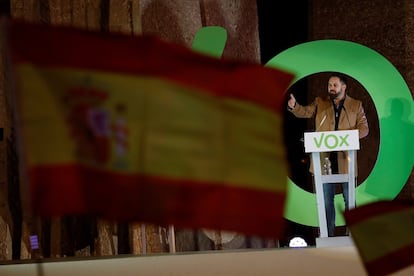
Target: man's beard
333, 96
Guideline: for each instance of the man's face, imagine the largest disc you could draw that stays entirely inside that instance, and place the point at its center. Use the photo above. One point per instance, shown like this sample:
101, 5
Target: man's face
336, 89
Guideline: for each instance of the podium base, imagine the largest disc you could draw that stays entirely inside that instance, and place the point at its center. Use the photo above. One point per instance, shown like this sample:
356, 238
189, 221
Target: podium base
334, 241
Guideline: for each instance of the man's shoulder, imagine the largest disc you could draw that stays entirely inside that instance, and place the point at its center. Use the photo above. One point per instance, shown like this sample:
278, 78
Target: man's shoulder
352, 101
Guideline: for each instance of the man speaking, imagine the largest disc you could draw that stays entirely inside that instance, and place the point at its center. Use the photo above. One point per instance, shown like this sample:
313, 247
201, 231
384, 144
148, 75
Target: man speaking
335, 111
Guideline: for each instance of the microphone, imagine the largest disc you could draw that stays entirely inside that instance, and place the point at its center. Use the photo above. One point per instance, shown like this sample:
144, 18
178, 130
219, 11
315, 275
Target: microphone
321, 123
317, 129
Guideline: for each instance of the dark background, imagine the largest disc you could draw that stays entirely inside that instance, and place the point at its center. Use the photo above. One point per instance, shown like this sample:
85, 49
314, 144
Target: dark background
284, 24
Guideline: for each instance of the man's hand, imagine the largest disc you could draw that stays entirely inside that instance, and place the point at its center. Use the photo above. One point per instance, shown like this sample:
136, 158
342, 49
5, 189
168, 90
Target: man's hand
292, 101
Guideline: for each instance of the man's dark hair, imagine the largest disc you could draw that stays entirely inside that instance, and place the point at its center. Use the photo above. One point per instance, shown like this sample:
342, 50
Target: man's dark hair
341, 77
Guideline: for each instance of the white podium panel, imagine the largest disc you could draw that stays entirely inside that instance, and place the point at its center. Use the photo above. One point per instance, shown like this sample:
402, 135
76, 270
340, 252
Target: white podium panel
324, 141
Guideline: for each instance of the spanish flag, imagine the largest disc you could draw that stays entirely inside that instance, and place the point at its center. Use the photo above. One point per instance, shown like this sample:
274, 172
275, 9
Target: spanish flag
139, 129
383, 233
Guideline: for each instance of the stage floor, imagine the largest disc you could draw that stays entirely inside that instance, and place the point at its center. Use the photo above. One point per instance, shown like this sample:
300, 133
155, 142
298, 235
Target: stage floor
285, 261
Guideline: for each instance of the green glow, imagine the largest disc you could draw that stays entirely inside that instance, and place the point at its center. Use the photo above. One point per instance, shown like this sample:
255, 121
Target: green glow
210, 41
394, 105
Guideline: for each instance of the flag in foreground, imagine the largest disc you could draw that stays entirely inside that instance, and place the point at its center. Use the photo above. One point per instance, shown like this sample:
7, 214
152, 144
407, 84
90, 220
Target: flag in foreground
134, 128
383, 233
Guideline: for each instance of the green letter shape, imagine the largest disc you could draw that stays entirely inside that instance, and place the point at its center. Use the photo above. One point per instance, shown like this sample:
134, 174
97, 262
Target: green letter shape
392, 99
394, 104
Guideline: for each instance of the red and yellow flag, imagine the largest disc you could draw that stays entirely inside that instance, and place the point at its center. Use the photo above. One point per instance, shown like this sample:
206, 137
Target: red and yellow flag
135, 128
383, 233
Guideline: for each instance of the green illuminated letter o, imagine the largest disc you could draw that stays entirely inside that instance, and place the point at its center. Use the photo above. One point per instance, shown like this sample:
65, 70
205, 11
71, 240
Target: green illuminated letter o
384, 83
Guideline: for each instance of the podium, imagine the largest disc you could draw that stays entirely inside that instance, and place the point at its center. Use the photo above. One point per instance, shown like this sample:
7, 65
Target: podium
327, 141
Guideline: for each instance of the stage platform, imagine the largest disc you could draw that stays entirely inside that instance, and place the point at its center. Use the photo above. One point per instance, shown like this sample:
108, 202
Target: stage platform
327, 260
340, 241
